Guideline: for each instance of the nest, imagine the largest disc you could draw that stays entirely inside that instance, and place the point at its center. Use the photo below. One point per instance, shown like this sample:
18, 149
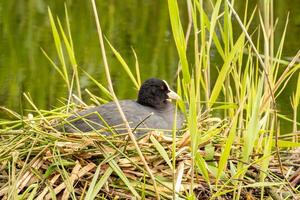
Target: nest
39, 163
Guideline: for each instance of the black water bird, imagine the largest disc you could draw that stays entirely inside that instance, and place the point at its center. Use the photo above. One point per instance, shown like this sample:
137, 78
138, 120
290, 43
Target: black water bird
152, 110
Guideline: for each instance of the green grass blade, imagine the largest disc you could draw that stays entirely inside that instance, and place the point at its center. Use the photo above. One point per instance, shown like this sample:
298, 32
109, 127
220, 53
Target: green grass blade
227, 149
202, 166
287, 144
124, 65
92, 184
253, 126
179, 38
58, 45
238, 47
161, 151
99, 85
102, 181
68, 45
296, 98
68, 27
55, 66
113, 164
137, 68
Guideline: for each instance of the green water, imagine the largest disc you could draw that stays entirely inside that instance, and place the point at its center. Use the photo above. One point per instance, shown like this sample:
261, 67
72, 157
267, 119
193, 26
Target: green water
141, 24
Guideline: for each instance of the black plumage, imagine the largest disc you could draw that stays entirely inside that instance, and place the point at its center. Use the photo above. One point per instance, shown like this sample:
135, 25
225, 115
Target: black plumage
152, 110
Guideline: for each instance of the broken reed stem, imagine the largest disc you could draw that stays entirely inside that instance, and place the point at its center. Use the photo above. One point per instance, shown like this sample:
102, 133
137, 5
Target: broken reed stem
106, 67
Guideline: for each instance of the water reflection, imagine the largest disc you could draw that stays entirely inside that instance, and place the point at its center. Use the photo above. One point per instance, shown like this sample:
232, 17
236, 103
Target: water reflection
143, 25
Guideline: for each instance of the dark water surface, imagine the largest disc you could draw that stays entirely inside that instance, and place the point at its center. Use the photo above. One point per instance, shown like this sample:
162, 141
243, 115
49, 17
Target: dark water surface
141, 24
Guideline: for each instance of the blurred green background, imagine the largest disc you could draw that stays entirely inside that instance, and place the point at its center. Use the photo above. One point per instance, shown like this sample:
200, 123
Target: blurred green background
140, 24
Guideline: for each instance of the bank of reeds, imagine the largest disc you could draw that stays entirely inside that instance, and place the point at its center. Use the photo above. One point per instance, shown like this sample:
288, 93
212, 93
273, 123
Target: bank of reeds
231, 148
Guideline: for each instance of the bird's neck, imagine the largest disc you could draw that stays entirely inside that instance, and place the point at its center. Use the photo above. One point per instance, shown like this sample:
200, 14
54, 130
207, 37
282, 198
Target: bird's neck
162, 106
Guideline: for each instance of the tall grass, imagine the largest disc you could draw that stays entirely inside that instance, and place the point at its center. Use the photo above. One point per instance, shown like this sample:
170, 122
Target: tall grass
232, 140
247, 79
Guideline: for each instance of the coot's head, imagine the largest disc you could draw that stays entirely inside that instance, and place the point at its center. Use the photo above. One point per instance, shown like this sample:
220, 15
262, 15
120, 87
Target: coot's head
155, 93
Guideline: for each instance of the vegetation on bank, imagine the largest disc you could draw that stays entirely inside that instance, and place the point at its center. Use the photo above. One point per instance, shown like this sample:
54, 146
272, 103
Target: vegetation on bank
232, 147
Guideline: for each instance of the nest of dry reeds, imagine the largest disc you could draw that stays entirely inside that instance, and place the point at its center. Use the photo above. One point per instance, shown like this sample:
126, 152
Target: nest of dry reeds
39, 163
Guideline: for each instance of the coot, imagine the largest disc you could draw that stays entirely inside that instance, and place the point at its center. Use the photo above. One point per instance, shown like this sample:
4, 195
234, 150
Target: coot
152, 110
